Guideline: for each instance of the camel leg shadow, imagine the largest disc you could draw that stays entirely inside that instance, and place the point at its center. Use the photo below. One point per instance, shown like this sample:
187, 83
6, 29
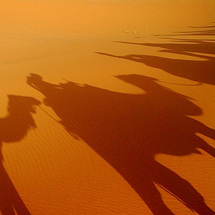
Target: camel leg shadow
9, 197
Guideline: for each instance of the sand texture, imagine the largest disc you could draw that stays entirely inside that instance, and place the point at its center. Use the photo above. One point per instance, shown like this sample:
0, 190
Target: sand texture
107, 107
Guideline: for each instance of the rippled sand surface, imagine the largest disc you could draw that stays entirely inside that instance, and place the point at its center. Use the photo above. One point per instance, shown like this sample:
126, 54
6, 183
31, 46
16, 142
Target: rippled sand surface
107, 107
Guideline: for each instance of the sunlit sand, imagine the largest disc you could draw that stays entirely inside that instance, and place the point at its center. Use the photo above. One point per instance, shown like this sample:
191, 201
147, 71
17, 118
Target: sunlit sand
107, 107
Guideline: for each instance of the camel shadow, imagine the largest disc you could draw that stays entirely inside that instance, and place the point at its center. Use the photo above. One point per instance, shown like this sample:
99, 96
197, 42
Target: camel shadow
13, 128
202, 71
128, 130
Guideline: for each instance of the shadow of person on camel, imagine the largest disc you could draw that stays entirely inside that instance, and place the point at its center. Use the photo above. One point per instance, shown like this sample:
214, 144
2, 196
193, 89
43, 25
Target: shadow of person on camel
128, 130
13, 128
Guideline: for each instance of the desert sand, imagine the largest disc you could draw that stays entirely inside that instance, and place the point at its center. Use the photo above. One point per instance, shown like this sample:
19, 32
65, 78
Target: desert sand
107, 107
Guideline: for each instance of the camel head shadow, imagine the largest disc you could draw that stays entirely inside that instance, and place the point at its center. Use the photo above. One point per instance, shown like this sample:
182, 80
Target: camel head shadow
19, 118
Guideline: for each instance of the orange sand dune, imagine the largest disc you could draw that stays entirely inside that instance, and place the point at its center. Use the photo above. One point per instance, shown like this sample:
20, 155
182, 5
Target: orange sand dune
107, 107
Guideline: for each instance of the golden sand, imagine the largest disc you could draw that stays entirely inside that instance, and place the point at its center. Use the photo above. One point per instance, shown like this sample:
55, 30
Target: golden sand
125, 123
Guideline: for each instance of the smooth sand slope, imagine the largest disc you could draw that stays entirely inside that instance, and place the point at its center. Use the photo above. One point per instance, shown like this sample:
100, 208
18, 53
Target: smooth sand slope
107, 107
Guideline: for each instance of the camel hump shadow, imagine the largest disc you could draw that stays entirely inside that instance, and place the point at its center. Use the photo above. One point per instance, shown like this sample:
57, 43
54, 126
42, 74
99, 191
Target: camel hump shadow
128, 130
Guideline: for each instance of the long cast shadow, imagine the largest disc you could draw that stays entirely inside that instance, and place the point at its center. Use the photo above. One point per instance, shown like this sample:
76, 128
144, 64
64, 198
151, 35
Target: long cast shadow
181, 46
202, 71
13, 128
128, 130
208, 30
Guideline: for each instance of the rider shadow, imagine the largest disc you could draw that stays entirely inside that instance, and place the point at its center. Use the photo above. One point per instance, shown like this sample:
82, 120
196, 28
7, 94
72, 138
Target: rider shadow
13, 128
128, 130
